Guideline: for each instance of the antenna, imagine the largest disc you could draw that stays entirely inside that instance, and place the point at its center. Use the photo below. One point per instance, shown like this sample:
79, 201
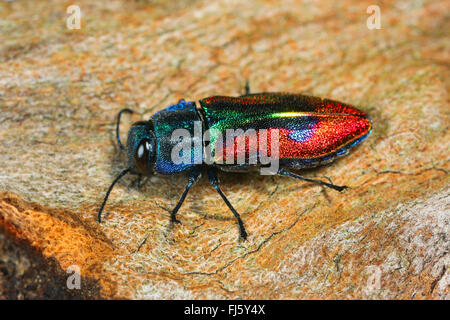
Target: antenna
117, 127
124, 172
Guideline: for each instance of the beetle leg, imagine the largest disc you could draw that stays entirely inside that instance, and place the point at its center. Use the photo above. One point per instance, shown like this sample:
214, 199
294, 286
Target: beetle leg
247, 87
293, 175
212, 176
194, 175
139, 181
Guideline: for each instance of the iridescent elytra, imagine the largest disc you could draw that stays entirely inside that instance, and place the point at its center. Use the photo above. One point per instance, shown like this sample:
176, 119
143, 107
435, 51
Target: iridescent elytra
311, 132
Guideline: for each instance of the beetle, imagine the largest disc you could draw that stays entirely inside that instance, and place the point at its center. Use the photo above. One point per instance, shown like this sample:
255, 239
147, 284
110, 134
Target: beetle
311, 132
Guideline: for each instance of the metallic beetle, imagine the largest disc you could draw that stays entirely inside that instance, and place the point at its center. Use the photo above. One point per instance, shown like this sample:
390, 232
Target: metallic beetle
311, 132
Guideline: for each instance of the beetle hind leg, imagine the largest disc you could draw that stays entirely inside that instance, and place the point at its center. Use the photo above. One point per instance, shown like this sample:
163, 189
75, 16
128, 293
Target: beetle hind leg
329, 185
212, 176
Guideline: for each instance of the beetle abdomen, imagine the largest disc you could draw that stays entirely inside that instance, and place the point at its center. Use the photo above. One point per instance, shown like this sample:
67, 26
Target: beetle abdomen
310, 130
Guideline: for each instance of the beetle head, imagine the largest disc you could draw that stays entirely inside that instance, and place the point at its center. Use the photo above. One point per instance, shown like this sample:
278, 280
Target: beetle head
141, 147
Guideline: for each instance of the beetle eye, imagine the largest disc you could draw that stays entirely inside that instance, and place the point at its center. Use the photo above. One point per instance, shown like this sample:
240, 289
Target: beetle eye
141, 155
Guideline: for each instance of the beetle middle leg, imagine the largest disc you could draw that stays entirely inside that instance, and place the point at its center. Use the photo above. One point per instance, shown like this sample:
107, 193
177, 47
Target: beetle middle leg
212, 176
293, 175
194, 175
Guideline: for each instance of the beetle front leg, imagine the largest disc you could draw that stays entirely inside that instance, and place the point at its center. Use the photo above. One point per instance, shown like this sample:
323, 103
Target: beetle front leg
247, 87
194, 175
212, 176
139, 179
329, 185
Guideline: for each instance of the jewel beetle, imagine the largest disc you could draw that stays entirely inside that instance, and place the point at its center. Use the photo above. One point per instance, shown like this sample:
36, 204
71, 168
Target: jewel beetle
310, 131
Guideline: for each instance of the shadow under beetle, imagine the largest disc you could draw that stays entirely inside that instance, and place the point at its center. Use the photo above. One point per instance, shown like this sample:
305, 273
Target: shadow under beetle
311, 131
